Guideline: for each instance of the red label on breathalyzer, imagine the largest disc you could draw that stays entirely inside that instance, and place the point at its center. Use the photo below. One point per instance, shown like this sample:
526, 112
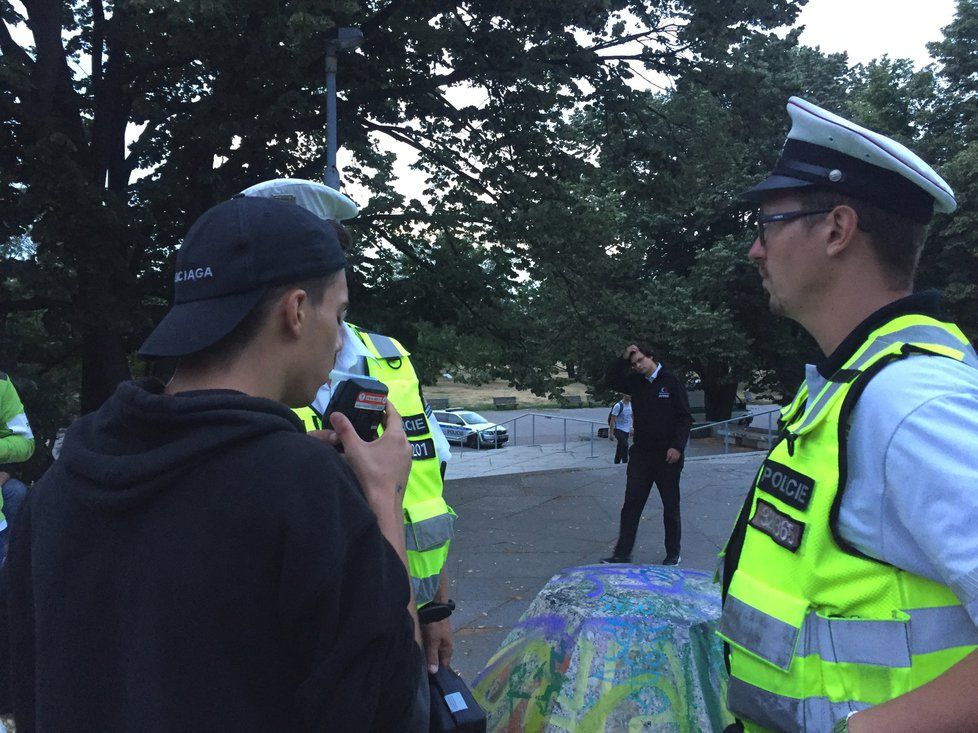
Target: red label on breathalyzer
370, 401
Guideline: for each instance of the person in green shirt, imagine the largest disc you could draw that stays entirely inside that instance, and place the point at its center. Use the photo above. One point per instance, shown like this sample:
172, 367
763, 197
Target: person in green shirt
16, 446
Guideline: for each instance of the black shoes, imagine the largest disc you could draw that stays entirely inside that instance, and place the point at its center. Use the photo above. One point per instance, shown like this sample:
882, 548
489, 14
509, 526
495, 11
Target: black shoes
615, 559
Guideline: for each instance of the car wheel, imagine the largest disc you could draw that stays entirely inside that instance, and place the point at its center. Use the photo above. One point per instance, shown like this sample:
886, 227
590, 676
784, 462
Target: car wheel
472, 441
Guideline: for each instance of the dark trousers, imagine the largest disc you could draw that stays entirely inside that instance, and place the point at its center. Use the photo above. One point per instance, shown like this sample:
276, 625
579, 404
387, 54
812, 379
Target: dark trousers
646, 467
621, 452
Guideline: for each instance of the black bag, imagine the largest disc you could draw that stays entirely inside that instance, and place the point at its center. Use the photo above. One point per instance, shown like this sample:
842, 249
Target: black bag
453, 709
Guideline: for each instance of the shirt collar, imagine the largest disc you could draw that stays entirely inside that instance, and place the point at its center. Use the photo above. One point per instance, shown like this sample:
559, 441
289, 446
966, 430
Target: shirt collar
351, 352
655, 374
925, 303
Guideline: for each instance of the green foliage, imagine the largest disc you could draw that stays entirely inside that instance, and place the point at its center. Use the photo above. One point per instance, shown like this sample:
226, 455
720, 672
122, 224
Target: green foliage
950, 261
565, 212
215, 96
677, 273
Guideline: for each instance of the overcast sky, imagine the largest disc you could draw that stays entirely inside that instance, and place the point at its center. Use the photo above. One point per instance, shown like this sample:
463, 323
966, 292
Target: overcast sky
867, 29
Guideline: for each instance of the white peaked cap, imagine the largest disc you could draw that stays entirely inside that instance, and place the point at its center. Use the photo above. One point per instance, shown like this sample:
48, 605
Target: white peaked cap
320, 199
830, 152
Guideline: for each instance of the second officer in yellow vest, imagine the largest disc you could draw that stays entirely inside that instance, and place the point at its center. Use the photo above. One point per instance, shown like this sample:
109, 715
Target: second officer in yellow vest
851, 578
428, 520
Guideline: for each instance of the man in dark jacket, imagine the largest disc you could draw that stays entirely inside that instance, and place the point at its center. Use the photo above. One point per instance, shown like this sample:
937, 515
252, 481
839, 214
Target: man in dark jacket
194, 561
660, 410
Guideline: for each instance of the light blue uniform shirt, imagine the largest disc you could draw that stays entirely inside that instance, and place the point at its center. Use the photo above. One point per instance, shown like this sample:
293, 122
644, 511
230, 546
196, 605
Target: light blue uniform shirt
349, 364
911, 498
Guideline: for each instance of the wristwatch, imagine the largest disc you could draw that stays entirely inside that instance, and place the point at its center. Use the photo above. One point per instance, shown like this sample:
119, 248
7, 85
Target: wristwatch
842, 724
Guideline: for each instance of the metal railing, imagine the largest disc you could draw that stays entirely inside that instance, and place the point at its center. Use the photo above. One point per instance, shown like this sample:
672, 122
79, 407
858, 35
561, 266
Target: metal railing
593, 426
768, 432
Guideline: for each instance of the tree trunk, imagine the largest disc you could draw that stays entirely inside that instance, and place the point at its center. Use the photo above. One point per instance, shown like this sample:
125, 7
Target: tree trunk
719, 392
104, 366
104, 304
719, 400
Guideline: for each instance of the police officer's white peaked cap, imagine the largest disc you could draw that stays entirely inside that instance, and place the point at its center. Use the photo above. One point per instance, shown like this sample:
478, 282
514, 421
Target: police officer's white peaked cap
320, 199
831, 152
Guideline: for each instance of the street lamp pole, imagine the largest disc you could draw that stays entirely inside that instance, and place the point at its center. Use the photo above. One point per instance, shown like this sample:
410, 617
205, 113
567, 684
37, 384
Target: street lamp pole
338, 39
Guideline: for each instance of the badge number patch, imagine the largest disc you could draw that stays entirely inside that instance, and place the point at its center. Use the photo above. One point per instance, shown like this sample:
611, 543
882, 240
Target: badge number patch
779, 527
422, 450
793, 488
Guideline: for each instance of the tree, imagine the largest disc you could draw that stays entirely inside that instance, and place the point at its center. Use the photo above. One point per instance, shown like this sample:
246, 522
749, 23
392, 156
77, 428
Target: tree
673, 164
950, 260
125, 120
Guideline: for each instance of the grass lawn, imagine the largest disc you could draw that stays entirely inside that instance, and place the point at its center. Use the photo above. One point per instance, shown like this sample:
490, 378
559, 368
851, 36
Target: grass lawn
479, 397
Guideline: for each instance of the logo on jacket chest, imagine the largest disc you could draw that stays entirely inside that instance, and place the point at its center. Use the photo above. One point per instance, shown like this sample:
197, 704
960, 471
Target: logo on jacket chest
793, 488
664, 393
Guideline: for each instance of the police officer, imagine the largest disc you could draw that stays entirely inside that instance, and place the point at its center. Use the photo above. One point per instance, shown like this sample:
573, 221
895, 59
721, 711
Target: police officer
428, 520
851, 578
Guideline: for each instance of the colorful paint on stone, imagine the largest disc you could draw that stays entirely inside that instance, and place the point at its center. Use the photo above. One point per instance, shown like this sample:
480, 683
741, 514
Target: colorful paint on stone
609, 648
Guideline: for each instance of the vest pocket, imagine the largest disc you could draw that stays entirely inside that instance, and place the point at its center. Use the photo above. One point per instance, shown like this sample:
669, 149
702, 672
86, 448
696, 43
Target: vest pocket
762, 621
857, 641
428, 525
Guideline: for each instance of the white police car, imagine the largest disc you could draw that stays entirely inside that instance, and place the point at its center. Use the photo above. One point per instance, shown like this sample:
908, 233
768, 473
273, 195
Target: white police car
465, 427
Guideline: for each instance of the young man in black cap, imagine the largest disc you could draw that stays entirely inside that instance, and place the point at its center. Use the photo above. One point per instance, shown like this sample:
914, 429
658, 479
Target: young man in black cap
428, 520
194, 561
851, 578
660, 409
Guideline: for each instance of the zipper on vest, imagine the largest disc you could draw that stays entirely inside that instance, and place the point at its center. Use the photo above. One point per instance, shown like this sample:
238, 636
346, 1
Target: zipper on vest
791, 438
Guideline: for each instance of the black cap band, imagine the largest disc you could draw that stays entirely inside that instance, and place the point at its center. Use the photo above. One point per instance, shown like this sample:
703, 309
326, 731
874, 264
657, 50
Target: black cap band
835, 171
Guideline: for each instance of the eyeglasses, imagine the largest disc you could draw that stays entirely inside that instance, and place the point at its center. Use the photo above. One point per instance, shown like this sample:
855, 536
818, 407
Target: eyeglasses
763, 221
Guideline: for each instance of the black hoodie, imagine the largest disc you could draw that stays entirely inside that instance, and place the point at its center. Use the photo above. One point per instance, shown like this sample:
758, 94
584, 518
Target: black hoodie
196, 563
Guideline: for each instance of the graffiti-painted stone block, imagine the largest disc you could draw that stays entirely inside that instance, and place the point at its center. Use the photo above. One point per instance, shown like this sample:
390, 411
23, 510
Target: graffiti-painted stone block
611, 648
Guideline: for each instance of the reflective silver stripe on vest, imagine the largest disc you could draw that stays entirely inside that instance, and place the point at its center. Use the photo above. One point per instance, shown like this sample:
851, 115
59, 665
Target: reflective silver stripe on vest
425, 588
18, 425
922, 335
786, 713
769, 638
855, 641
877, 643
944, 627
386, 348
429, 533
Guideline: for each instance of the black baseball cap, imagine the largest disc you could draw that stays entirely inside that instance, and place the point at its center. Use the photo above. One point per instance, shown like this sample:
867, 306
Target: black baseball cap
229, 259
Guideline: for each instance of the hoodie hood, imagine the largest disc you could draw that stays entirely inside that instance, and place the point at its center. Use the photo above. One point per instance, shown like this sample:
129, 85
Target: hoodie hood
141, 441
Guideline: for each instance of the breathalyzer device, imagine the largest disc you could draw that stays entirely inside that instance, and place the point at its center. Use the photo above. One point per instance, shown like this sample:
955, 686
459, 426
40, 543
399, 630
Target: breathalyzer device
362, 400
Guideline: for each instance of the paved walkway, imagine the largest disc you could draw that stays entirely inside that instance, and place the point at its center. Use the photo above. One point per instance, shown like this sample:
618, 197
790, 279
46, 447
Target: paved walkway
580, 453
525, 513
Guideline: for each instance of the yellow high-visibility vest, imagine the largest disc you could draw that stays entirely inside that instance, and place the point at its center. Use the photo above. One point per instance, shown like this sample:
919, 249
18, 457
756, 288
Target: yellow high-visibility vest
428, 520
815, 629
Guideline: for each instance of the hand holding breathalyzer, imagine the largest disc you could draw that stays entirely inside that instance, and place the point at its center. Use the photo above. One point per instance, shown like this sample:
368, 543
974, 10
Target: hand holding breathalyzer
362, 400
382, 467
358, 406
